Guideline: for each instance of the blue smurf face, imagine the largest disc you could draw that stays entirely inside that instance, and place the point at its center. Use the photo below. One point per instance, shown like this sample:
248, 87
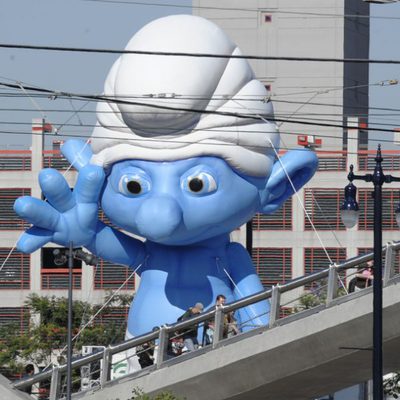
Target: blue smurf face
179, 202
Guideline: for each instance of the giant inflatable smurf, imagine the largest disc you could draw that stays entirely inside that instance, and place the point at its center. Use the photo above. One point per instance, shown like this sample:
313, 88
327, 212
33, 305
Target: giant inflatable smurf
183, 153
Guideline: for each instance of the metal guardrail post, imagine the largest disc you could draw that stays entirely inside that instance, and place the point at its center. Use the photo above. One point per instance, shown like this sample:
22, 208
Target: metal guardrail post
218, 325
389, 263
275, 305
106, 367
163, 338
332, 283
55, 384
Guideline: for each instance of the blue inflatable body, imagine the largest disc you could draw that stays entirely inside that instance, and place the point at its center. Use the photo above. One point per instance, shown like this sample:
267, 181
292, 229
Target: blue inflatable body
188, 256
183, 193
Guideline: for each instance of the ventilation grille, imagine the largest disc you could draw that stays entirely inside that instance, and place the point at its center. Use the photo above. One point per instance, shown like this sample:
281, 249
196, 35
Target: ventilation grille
323, 208
273, 265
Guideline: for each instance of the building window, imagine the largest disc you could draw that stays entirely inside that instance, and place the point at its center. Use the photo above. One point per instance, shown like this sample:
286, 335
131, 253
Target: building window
9, 220
315, 259
112, 276
15, 160
390, 162
390, 200
332, 161
273, 265
55, 159
117, 316
267, 18
323, 208
15, 273
280, 220
54, 272
103, 217
15, 316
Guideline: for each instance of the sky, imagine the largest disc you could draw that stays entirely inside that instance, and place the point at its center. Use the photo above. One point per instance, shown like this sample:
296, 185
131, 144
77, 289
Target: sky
71, 23
94, 24
384, 44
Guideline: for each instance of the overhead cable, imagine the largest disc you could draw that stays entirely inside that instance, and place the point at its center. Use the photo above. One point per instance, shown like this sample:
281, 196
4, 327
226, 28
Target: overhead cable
192, 110
197, 55
243, 9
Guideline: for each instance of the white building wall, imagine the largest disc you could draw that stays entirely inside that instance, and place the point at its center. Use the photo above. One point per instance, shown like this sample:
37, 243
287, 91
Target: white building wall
312, 90
297, 28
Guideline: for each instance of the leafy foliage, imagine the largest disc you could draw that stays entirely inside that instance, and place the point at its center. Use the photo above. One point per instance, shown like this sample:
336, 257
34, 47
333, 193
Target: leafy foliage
41, 343
391, 385
315, 297
138, 394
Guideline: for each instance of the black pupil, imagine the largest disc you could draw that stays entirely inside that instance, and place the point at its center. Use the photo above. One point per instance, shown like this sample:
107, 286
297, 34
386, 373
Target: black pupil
134, 187
196, 184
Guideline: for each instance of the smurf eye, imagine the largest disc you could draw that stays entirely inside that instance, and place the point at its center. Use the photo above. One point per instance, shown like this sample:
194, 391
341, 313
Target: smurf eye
133, 185
201, 183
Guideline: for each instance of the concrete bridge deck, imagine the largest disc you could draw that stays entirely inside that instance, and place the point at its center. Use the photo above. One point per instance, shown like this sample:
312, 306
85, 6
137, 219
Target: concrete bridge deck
306, 355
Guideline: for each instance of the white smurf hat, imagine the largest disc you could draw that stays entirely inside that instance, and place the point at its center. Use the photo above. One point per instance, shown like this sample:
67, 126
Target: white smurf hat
176, 107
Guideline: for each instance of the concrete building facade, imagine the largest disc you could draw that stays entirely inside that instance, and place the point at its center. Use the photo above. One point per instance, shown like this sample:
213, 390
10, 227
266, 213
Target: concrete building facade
307, 233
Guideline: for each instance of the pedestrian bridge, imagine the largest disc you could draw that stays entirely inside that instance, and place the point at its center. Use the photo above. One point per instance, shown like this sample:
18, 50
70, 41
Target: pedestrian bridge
304, 355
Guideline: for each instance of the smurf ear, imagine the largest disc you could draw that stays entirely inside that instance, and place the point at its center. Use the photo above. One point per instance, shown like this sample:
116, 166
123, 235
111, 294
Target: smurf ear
300, 166
77, 152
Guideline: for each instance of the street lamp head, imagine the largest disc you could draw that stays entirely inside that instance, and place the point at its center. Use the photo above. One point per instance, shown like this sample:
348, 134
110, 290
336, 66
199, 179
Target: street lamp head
60, 258
349, 208
87, 258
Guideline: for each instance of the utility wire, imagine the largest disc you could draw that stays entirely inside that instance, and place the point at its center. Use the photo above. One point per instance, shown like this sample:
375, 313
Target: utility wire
252, 10
305, 115
197, 55
284, 118
250, 97
192, 110
138, 140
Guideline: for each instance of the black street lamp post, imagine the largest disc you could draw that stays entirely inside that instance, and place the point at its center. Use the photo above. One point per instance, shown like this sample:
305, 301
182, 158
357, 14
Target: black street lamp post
349, 212
60, 257
69, 327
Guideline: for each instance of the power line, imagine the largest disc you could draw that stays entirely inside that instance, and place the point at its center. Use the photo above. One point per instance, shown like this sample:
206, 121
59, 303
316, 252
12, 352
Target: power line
391, 111
155, 128
380, 119
191, 110
243, 9
197, 55
74, 134
268, 96
334, 105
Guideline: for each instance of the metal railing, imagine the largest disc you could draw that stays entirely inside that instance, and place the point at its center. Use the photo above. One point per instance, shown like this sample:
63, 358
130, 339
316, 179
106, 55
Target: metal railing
366, 160
164, 333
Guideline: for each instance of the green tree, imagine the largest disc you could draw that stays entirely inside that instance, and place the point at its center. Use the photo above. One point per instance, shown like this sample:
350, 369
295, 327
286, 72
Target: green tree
138, 394
315, 297
391, 385
46, 335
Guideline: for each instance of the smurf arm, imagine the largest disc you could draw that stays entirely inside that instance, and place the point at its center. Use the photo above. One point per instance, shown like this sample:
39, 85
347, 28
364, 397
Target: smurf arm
246, 282
71, 216
116, 247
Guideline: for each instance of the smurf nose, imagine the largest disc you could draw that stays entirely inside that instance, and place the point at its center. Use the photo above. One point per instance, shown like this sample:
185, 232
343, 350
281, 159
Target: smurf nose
158, 217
